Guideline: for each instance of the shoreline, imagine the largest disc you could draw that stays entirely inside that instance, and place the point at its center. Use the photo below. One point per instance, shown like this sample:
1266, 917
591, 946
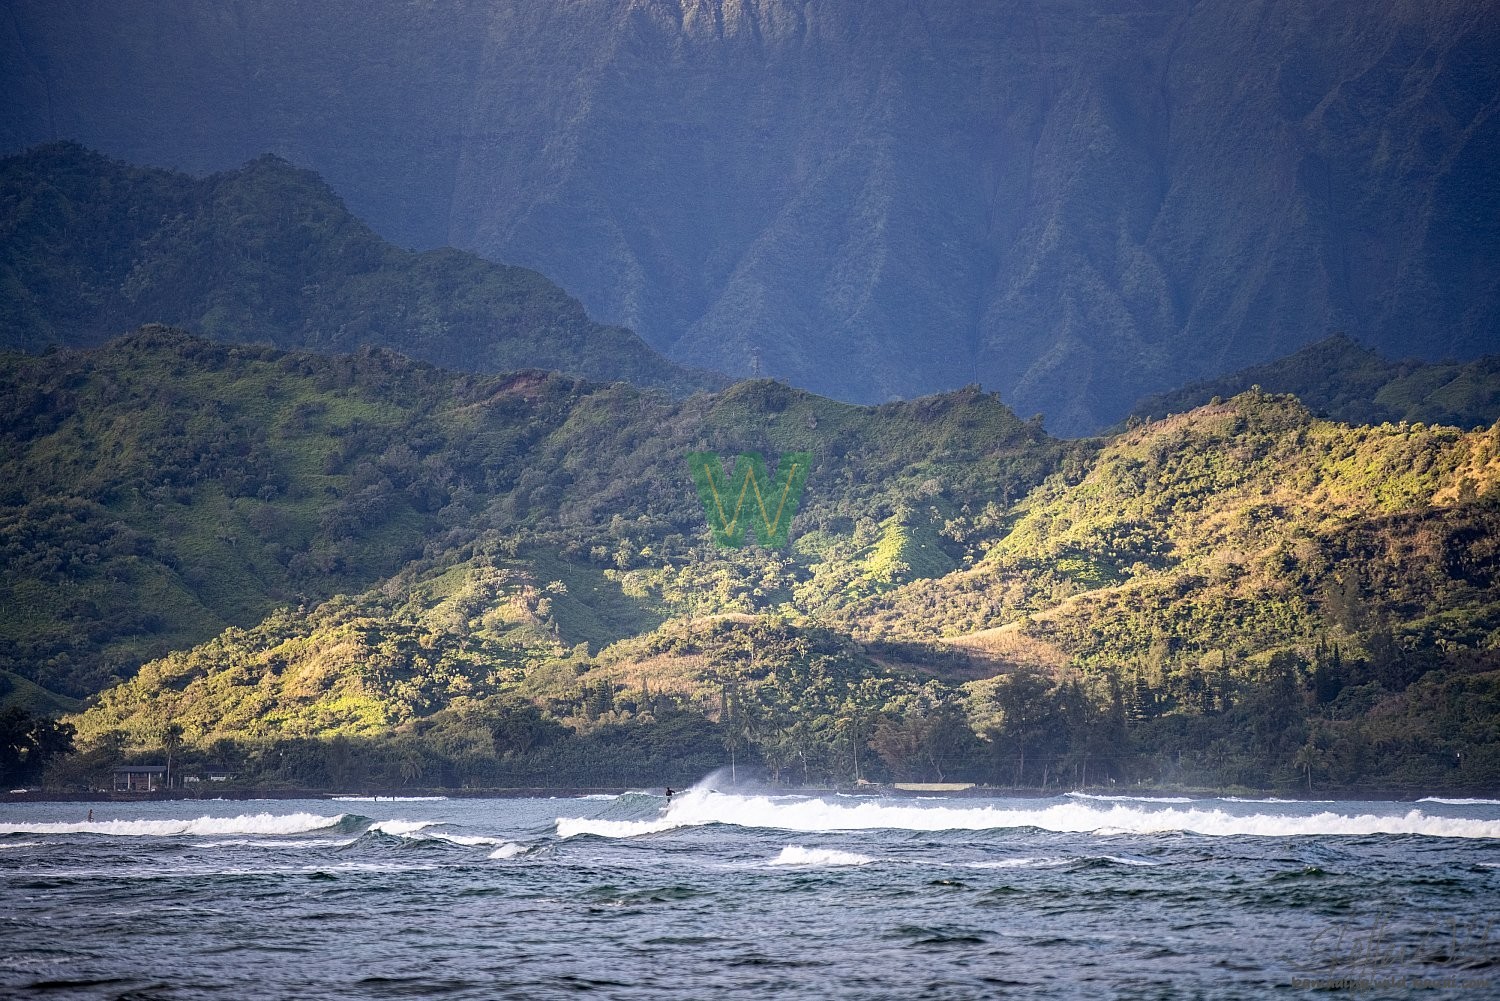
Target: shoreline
1106, 794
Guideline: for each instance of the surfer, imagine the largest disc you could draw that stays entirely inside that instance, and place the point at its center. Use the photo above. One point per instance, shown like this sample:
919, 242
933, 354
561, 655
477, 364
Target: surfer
91, 816
669, 794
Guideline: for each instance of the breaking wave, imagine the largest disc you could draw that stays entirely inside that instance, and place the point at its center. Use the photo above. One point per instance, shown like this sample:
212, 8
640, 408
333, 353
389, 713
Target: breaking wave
420, 830
259, 823
399, 828
701, 808
1130, 799
1459, 802
798, 855
508, 849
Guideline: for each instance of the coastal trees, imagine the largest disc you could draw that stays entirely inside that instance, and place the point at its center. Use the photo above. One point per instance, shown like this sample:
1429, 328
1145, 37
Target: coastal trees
28, 743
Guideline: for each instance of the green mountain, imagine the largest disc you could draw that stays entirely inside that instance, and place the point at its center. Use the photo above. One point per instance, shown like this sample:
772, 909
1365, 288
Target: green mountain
163, 487
90, 248
362, 570
1071, 202
1341, 379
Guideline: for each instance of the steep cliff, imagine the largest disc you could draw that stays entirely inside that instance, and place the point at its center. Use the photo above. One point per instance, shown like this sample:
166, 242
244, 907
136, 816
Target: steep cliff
1073, 203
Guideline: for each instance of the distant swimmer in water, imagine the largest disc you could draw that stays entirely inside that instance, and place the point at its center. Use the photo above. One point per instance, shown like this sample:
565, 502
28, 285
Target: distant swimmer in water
91, 817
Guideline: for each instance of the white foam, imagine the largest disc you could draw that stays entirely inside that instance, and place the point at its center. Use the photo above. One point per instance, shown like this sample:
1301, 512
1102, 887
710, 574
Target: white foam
1271, 799
798, 855
1459, 802
508, 850
1130, 799
388, 799
419, 830
22, 844
697, 809
467, 840
599, 796
400, 828
260, 823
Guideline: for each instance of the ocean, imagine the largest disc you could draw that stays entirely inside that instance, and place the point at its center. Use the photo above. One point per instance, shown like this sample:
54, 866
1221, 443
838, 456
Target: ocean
724, 894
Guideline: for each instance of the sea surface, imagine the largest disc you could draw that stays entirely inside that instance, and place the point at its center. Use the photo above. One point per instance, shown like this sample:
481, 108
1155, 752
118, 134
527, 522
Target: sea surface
723, 894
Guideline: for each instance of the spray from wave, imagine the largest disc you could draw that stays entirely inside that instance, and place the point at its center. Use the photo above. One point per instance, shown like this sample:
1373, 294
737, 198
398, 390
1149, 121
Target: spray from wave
703, 807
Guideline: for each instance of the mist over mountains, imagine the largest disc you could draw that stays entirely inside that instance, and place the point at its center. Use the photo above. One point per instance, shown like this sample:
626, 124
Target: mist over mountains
1072, 203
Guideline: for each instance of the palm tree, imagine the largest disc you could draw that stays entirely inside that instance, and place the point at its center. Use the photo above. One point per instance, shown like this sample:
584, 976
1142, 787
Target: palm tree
1308, 755
171, 740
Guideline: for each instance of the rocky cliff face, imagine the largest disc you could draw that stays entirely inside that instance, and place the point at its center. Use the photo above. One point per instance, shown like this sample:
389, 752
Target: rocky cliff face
1071, 202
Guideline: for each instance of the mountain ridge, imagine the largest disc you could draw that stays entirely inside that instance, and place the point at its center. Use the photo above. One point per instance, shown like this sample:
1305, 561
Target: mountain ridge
1072, 203
1343, 380
92, 247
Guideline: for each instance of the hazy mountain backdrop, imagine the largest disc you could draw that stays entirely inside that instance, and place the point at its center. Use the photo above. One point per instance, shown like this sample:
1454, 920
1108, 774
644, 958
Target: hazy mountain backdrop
90, 248
1073, 203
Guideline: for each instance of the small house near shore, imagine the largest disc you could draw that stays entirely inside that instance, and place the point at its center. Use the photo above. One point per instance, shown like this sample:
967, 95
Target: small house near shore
140, 778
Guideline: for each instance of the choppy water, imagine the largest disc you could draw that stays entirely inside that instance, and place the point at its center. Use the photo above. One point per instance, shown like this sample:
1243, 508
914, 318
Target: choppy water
743, 896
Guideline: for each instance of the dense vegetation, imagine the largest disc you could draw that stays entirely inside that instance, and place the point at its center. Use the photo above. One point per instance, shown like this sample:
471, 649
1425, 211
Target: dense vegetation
91, 247
362, 570
1340, 379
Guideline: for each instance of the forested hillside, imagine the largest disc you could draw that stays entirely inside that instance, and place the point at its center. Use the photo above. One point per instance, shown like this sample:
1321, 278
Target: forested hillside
91, 248
165, 486
1339, 378
359, 569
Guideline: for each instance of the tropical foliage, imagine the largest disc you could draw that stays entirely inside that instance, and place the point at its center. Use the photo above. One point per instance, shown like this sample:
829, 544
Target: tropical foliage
361, 570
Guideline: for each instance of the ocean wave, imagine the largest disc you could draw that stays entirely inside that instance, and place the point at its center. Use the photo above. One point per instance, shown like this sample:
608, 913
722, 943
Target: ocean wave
399, 828
508, 849
798, 855
421, 830
466, 840
259, 823
1129, 799
297, 843
699, 809
388, 799
21, 844
1459, 802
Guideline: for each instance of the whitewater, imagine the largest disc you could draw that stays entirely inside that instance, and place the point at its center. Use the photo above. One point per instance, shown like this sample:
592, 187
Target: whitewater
732, 892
